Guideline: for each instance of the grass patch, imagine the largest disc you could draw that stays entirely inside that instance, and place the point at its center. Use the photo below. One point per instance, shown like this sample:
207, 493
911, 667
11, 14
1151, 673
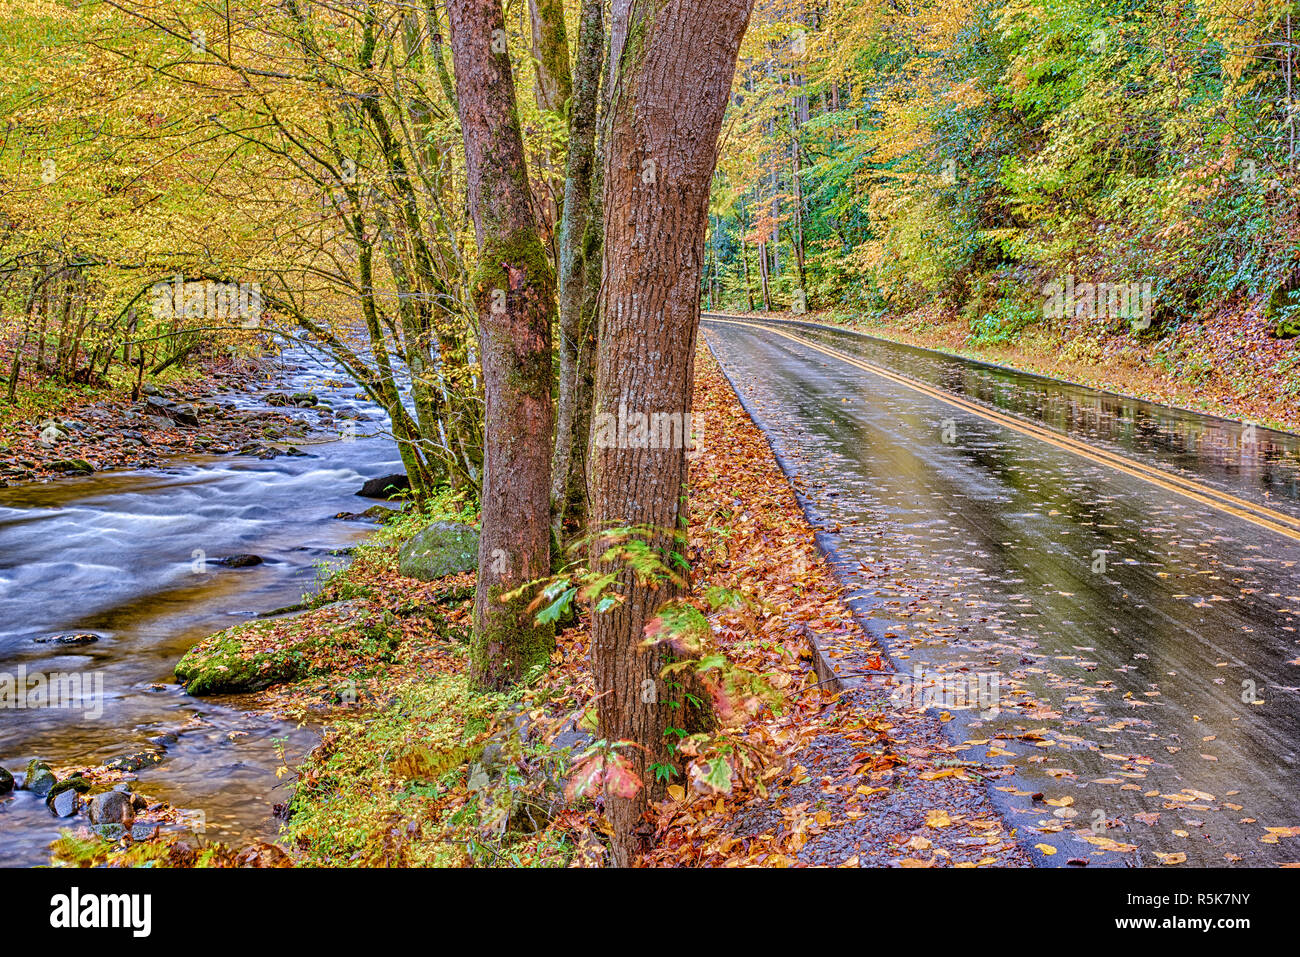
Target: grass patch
389, 789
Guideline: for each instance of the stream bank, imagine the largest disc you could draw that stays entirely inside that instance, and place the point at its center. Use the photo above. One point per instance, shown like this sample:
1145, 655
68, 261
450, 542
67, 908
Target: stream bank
148, 563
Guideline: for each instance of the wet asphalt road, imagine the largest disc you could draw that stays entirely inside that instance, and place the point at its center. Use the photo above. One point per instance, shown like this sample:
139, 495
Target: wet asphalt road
1131, 652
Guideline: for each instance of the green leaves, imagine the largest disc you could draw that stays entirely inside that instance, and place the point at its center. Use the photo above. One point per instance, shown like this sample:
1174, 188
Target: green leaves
559, 605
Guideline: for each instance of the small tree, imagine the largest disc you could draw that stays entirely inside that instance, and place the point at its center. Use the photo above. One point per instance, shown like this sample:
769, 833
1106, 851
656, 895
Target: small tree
514, 292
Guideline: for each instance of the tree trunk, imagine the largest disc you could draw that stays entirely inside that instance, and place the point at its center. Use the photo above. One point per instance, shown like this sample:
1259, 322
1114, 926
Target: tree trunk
744, 258
579, 243
514, 292
672, 64
552, 90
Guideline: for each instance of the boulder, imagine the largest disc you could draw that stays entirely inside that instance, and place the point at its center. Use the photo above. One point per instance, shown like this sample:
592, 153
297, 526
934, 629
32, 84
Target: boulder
303, 399
72, 466
63, 803
239, 561
266, 652
39, 778
442, 549
375, 513
185, 414
6, 781
74, 783
111, 807
134, 762
71, 638
386, 486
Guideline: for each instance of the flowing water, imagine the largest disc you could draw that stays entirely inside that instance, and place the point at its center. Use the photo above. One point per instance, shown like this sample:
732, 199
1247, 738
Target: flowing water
130, 556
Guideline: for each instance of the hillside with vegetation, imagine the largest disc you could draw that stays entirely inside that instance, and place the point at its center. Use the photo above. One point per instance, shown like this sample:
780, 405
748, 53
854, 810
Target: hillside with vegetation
941, 171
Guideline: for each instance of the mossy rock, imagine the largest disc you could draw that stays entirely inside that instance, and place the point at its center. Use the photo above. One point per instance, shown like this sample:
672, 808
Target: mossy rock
258, 654
219, 665
39, 778
72, 466
6, 781
73, 783
442, 549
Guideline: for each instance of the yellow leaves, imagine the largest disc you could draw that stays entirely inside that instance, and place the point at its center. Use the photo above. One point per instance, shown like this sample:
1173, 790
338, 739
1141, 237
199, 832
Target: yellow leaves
967, 94
1274, 833
1177, 858
1240, 34
942, 773
937, 818
1106, 844
676, 792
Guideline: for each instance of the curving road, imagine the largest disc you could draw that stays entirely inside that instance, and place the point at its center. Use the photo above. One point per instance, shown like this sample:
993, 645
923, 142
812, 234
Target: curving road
1119, 580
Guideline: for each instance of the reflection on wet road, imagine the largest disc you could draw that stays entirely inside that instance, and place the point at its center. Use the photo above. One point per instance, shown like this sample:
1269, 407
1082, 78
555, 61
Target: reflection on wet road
131, 556
1141, 643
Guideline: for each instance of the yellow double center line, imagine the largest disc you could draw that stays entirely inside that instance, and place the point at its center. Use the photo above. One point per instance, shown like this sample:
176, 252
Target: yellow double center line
1274, 521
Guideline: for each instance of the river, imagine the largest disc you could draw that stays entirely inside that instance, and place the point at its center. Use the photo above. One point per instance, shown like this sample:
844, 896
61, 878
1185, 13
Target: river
130, 556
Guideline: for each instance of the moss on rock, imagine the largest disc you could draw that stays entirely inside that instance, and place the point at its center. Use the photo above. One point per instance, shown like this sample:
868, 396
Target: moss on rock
441, 549
258, 654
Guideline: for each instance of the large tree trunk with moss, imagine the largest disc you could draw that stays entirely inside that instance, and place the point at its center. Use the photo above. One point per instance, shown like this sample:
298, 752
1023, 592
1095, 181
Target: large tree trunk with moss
579, 255
514, 292
672, 63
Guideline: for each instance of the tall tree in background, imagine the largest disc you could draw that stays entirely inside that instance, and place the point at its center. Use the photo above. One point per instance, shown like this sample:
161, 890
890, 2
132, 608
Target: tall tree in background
514, 292
580, 263
552, 90
671, 69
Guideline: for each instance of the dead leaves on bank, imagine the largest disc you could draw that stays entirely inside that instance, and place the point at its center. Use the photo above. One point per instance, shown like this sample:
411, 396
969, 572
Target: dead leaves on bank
749, 538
